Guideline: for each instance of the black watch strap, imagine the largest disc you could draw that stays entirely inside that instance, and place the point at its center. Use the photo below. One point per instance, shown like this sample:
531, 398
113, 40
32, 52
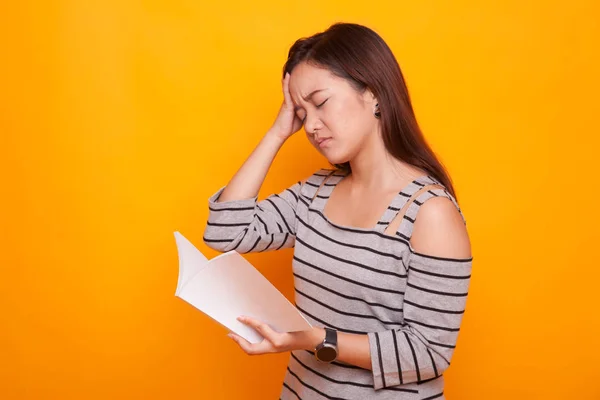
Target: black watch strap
331, 336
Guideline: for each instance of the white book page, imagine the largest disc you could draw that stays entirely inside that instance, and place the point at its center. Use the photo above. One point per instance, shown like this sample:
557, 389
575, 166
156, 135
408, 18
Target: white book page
191, 260
229, 286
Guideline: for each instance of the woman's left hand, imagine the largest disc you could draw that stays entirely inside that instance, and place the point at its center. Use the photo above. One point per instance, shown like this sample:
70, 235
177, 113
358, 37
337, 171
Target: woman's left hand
275, 342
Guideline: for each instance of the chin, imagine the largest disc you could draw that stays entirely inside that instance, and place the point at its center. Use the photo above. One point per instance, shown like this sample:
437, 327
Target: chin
336, 158
333, 154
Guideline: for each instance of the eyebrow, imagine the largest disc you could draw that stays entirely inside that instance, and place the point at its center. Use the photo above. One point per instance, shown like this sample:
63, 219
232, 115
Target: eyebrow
307, 98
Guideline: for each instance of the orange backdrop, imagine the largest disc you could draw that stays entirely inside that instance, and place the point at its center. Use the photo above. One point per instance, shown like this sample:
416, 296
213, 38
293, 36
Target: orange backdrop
118, 120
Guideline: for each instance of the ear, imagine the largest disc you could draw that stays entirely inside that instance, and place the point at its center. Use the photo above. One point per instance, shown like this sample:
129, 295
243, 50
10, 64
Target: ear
369, 97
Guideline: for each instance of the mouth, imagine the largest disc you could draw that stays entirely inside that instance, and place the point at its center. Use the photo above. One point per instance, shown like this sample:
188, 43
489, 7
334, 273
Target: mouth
321, 142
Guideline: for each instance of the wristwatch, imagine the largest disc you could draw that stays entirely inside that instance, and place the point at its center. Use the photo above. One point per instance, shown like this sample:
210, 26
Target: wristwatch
328, 350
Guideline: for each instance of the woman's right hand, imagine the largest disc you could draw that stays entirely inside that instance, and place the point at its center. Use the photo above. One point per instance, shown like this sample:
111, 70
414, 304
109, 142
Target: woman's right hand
246, 183
287, 122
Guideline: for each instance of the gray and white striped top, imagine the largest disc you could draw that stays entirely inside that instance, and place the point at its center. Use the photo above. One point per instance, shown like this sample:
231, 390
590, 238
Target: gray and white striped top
356, 280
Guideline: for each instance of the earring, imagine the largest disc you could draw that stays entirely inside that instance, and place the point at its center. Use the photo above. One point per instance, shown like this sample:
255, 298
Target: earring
377, 112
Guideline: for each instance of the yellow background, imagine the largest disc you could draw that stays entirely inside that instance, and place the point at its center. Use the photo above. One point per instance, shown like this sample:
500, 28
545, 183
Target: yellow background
118, 120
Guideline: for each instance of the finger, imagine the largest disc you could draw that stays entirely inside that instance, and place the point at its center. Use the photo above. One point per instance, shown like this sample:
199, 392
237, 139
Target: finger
250, 348
286, 90
275, 339
264, 329
243, 343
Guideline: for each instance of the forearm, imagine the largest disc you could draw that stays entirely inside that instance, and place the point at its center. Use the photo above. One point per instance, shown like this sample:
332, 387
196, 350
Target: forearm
249, 178
354, 349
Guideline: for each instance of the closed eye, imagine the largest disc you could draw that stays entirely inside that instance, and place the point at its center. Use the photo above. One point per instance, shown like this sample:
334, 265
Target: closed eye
317, 106
321, 105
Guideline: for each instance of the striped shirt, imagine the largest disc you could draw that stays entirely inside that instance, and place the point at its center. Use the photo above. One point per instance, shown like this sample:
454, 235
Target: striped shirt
356, 280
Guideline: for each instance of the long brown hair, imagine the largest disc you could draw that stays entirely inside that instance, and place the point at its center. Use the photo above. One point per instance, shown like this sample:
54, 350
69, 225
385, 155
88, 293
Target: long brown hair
359, 55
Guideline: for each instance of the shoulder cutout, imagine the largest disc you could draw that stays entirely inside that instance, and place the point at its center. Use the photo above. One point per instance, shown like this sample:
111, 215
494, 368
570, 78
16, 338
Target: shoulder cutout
440, 230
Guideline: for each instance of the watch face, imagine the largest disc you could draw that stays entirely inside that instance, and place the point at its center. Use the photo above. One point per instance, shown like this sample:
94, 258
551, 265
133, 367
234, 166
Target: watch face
327, 354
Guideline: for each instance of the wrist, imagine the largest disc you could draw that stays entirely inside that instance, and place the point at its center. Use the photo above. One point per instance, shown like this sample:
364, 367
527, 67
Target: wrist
313, 338
274, 136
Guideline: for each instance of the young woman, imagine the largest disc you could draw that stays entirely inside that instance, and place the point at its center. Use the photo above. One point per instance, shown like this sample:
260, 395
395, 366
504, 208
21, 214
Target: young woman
382, 258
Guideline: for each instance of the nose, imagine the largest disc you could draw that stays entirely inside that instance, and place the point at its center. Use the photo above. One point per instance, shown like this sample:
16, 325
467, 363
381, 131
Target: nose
312, 124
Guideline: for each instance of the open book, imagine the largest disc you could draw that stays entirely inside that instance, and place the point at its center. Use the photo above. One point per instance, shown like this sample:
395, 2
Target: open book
228, 286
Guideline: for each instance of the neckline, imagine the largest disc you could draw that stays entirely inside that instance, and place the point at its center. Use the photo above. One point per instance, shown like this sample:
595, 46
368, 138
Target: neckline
407, 190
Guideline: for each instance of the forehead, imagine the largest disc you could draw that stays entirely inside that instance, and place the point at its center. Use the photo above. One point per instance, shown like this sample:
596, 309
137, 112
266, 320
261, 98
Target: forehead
306, 78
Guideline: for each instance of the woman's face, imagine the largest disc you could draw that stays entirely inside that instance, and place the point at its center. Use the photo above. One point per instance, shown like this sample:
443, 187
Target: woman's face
337, 119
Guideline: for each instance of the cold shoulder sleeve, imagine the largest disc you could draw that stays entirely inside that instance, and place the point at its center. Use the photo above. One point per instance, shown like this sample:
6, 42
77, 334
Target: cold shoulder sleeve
433, 306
